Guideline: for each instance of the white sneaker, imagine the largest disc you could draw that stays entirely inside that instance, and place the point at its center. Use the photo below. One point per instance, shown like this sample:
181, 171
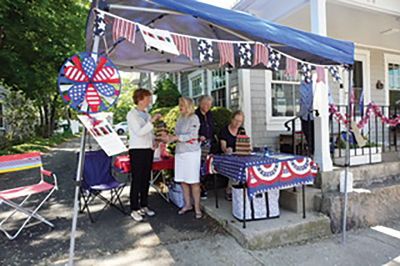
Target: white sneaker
136, 216
146, 211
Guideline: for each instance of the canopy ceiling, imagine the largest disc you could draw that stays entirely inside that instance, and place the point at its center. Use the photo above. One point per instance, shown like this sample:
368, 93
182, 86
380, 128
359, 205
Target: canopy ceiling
206, 21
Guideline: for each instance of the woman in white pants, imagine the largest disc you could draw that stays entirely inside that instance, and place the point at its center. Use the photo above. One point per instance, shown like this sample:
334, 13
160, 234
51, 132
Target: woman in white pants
187, 155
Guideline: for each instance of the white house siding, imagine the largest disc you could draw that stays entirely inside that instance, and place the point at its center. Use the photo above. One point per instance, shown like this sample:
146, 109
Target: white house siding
233, 92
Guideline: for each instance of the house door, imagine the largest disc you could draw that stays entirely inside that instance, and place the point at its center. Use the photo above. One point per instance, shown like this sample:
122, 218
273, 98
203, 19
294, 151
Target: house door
392, 80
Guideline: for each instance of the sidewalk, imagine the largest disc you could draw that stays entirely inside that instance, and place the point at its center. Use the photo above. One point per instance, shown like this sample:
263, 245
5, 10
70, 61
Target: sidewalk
169, 239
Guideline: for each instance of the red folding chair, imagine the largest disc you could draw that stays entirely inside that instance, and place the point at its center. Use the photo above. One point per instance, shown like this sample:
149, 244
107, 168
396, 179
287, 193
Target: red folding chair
20, 162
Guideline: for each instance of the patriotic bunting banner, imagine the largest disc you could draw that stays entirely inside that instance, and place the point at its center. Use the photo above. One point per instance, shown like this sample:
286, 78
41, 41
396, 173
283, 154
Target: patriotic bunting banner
320, 74
306, 73
245, 54
123, 29
260, 55
334, 70
99, 28
184, 45
159, 39
274, 59
291, 67
206, 50
89, 86
226, 54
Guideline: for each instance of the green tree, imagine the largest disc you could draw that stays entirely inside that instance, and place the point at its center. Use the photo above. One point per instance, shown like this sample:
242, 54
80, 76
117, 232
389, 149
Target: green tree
35, 38
19, 115
167, 94
125, 102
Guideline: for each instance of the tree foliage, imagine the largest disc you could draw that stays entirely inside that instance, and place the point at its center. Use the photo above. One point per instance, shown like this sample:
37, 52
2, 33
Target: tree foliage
167, 94
125, 102
36, 37
19, 115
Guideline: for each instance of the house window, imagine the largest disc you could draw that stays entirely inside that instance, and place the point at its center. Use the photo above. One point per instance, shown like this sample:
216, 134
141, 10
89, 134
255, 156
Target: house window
394, 84
284, 94
218, 87
358, 85
196, 85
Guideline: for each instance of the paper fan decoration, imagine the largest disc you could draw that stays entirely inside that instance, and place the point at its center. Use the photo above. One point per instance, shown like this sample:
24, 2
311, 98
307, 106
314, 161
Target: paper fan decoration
89, 86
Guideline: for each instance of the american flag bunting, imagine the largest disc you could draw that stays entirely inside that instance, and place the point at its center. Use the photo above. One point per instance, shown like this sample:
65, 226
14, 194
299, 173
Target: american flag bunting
183, 44
260, 55
226, 54
125, 29
291, 67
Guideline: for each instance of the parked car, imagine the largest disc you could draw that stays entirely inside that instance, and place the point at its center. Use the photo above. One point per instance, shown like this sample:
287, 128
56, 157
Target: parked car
121, 128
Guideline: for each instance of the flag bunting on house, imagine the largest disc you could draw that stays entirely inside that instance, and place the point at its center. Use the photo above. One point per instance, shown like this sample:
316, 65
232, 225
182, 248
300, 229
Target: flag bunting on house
124, 29
159, 39
183, 44
206, 50
245, 54
226, 54
291, 67
305, 70
260, 54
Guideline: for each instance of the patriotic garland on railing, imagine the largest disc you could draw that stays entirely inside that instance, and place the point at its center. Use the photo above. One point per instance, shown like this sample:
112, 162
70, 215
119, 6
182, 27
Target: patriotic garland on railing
372, 107
250, 53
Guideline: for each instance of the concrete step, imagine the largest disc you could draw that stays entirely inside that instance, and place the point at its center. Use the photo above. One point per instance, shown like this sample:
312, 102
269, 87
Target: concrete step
290, 228
292, 200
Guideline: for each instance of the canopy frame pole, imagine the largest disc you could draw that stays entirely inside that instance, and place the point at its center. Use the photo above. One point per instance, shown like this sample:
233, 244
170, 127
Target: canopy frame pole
79, 171
347, 164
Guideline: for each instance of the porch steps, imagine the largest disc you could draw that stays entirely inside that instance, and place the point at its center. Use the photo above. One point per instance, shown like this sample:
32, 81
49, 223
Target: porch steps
290, 228
292, 200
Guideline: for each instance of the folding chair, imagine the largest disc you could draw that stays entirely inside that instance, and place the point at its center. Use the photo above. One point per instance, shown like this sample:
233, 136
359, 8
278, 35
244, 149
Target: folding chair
97, 178
20, 162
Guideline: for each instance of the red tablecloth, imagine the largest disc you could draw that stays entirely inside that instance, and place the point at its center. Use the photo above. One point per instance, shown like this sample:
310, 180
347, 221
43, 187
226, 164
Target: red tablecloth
123, 165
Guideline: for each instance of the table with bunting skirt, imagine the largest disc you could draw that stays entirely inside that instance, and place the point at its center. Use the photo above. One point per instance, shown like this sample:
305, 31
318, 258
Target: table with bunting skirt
262, 173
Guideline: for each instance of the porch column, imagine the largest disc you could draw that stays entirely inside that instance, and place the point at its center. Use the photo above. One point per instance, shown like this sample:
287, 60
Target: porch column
245, 99
321, 129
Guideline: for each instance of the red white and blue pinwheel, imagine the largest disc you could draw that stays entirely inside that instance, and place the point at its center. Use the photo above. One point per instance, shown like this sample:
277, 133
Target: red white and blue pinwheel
87, 86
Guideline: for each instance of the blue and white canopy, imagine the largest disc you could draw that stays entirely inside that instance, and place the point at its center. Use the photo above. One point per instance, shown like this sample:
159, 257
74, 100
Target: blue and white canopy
201, 20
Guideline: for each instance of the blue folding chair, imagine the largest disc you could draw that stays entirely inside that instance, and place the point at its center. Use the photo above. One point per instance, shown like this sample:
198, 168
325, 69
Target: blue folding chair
96, 179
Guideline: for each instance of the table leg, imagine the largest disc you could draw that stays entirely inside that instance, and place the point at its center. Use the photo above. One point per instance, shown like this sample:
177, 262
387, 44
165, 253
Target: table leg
216, 191
304, 201
244, 205
153, 180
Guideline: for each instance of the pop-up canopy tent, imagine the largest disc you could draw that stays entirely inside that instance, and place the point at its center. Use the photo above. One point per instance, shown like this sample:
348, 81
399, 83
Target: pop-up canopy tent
201, 20
196, 20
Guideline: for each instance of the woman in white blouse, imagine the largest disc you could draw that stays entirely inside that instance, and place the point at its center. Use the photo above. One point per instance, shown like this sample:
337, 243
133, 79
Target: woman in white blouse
140, 126
187, 155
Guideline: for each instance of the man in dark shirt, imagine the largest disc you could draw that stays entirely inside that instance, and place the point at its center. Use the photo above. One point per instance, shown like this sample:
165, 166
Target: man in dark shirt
206, 132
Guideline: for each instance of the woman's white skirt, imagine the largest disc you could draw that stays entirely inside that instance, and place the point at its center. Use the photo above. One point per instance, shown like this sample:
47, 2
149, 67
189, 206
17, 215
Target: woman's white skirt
187, 167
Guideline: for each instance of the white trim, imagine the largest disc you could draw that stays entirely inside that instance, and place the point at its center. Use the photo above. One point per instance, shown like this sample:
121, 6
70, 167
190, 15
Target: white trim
209, 82
227, 89
381, 6
245, 98
193, 75
364, 57
389, 58
179, 83
377, 47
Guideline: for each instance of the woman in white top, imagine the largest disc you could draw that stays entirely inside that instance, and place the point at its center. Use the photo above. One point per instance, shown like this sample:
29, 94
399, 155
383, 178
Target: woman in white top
140, 152
187, 155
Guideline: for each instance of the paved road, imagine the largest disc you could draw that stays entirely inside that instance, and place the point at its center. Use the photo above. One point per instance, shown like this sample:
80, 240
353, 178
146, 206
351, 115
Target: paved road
169, 239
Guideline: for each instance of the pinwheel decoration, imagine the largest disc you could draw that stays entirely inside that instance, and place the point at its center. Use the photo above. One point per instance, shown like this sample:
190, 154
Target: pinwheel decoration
87, 86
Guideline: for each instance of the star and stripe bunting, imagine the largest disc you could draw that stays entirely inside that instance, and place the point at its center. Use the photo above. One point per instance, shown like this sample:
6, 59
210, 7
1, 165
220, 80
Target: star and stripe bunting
226, 54
183, 45
87, 86
123, 29
261, 55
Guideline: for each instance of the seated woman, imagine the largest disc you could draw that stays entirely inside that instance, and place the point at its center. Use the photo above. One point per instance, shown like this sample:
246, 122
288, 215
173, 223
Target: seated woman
227, 139
187, 155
